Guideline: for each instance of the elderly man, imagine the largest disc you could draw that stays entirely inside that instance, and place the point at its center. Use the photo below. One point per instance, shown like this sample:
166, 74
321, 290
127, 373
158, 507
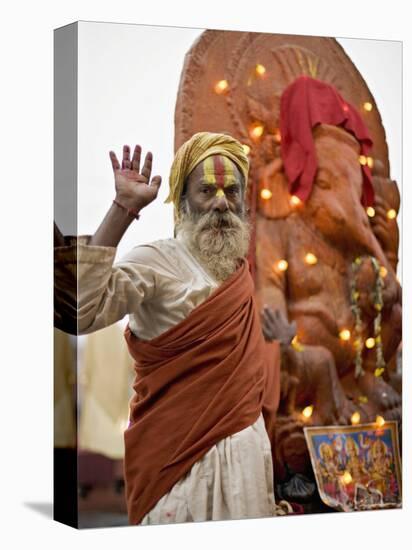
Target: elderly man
206, 390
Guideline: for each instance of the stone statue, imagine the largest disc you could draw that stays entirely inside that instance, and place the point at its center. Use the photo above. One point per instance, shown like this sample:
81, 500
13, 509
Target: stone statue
334, 229
328, 263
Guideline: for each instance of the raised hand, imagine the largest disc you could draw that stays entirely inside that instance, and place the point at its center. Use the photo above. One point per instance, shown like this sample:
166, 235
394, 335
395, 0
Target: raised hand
275, 326
134, 189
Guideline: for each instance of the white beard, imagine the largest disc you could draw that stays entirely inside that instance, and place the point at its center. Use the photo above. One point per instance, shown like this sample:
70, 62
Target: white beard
217, 240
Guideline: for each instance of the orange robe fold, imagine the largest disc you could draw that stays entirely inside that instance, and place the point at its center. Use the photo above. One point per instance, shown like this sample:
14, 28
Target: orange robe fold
204, 379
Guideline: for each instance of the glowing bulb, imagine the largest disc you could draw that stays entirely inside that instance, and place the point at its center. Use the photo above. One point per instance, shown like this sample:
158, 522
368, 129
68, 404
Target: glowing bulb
355, 418
266, 194
221, 86
369, 161
391, 214
344, 334
296, 345
295, 201
278, 136
379, 371
311, 259
380, 421
363, 160
246, 149
347, 478
256, 130
282, 265
260, 69
307, 411
370, 343
370, 211
383, 272
367, 106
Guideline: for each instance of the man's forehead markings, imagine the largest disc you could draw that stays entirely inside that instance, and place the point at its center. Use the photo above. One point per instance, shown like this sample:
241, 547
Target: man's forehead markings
219, 171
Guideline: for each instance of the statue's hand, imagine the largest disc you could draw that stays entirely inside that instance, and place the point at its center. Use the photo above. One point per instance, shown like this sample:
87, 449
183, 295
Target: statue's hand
276, 326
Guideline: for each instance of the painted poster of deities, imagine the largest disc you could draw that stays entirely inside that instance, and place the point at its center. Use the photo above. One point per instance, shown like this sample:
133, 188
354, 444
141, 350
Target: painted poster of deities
357, 467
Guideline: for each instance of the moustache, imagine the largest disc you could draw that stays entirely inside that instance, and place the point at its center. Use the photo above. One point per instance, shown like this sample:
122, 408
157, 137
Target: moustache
218, 220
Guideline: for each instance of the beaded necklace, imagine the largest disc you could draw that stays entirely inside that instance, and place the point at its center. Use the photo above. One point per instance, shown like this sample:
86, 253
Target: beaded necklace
356, 311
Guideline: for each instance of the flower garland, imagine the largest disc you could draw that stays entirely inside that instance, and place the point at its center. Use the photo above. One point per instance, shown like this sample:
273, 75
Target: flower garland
377, 324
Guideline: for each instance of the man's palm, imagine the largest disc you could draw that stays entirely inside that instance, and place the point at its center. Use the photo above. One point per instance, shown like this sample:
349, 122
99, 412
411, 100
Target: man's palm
132, 185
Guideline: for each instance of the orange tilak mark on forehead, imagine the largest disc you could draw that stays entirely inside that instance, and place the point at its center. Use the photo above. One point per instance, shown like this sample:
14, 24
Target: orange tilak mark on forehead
219, 171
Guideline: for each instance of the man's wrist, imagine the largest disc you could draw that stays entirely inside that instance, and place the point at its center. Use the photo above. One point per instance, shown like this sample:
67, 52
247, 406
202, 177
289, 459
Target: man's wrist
132, 212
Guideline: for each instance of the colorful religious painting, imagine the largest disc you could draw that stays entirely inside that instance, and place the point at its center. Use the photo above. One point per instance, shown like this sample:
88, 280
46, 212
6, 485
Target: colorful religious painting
356, 467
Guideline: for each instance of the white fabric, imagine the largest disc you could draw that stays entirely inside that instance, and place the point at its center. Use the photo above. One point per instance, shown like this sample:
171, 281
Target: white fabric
233, 480
158, 285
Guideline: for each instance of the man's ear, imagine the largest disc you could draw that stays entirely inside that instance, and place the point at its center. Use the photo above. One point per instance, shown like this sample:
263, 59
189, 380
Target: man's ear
273, 178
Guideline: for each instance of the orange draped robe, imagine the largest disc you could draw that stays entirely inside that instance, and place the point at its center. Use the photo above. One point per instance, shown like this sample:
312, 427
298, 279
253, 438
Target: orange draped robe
202, 380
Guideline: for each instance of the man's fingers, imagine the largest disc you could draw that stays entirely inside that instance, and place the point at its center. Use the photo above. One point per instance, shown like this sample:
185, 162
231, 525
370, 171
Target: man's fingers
156, 182
115, 162
147, 166
126, 157
136, 158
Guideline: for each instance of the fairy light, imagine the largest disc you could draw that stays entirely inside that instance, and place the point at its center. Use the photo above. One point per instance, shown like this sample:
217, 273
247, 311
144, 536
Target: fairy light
391, 214
221, 86
368, 106
380, 421
355, 418
363, 160
370, 343
370, 211
296, 345
307, 411
344, 334
383, 271
311, 259
256, 130
347, 478
369, 161
295, 201
379, 371
282, 265
260, 69
266, 194
246, 149
278, 137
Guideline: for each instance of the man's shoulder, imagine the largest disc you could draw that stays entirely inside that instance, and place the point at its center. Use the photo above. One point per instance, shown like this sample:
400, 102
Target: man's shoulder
154, 252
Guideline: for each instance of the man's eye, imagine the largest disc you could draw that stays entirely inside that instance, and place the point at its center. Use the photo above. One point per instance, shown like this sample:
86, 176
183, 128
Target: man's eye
206, 190
232, 190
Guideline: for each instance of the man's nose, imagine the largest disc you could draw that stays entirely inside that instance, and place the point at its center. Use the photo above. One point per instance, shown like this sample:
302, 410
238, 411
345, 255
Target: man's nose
220, 204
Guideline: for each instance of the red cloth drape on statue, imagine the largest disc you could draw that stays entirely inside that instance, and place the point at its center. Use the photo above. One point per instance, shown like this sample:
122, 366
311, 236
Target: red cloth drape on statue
304, 104
204, 379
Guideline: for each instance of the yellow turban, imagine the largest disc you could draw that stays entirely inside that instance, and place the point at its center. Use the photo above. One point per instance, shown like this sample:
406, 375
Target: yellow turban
196, 149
